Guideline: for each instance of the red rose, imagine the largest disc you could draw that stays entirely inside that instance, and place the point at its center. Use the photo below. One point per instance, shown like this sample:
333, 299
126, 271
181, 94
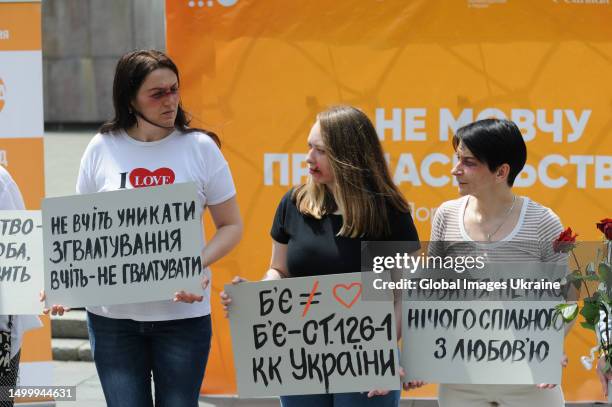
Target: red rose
565, 242
605, 225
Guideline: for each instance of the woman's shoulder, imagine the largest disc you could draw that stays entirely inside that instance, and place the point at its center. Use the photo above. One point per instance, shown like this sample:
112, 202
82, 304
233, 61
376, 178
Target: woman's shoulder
542, 218
96, 146
287, 206
288, 199
451, 208
538, 211
201, 138
284, 217
205, 149
100, 139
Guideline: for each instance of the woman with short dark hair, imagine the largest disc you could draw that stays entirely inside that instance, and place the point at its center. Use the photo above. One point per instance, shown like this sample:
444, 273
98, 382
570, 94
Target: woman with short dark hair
494, 143
491, 220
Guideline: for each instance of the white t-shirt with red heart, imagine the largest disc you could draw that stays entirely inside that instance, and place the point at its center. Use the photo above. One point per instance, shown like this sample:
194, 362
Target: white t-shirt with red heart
114, 161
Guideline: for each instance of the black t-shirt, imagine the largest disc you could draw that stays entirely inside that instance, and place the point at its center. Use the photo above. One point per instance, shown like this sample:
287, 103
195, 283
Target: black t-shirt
313, 247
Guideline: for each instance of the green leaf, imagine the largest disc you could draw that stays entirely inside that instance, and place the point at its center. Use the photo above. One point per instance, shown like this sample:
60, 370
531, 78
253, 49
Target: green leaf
604, 271
590, 311
569, 312
572, 276
575, 278
586, 325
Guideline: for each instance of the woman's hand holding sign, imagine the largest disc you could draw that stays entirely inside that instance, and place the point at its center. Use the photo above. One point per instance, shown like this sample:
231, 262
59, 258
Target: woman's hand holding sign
277, 270
228, 222
188, 298
414, 384
564, 361
225, 298
56, 309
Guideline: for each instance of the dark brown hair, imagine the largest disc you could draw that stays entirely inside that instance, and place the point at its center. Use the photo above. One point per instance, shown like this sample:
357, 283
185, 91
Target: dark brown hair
131, 71
494, 142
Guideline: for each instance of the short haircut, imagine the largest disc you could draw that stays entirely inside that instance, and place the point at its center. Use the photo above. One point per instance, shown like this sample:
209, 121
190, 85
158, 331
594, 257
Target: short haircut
494, 142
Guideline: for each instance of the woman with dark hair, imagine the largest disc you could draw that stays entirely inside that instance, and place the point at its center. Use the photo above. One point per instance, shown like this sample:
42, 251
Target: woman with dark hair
349, 197
490, 220
12, 327
150, 135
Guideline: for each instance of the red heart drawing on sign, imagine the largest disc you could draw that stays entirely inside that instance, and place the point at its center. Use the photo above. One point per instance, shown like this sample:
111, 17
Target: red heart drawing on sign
141, 177
346, 293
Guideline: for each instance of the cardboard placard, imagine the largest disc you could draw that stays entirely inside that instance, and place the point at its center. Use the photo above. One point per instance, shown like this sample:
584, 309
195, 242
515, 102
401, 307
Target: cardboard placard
312, 335
474, 342
21, 262
122, 247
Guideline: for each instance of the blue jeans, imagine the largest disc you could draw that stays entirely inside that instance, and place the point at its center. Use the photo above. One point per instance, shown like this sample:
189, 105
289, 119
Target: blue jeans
342, 400
127, 352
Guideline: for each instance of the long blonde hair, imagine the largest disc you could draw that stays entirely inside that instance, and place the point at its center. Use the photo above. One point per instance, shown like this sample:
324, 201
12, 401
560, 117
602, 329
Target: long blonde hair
363, 185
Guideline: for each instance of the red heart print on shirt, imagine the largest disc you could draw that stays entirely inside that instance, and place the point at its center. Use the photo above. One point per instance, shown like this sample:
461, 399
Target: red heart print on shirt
142, 177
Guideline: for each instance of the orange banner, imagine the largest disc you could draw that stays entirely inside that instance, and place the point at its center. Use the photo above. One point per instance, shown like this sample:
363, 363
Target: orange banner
258, 72
21, 146
17, 31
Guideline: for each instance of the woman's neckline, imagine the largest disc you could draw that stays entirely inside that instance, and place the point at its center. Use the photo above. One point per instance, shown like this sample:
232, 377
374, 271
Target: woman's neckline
524, 202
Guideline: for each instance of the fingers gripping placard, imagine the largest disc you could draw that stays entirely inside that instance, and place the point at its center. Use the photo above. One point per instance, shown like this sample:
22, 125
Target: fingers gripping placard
311, 335
123, 246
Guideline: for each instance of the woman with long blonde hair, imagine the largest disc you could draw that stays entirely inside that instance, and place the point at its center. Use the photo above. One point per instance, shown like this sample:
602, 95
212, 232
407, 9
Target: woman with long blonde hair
319, 226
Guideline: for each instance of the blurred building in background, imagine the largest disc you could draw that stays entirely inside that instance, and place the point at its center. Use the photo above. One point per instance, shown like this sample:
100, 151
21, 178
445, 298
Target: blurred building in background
82, 40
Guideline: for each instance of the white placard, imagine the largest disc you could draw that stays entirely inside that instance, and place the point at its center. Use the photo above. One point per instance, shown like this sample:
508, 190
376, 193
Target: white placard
21, 262
482, 342
119, 247
312, 335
